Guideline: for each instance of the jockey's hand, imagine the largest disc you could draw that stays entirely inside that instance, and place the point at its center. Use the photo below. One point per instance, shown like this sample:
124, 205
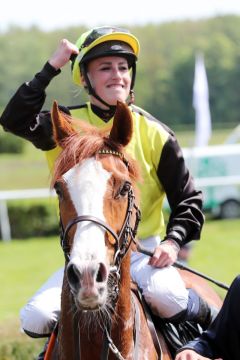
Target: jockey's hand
62, 54
190, 355
165, 254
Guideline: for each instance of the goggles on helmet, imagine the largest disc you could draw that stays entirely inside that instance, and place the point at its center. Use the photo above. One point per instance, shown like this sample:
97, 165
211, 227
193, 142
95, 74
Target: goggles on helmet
98, 32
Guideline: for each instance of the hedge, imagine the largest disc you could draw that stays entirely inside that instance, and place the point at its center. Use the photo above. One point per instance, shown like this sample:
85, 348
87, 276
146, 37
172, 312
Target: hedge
33, 218
17, 350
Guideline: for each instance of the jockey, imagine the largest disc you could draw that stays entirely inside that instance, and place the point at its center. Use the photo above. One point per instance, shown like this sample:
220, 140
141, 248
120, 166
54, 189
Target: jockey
222, 339
103, 62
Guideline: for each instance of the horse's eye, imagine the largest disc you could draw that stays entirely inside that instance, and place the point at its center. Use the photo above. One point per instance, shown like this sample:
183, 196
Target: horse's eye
125, 188
58, 189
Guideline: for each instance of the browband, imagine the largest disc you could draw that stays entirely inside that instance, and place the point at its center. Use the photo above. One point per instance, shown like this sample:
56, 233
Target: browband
116, 153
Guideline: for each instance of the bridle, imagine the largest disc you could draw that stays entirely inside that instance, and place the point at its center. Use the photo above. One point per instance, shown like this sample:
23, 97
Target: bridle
123, 241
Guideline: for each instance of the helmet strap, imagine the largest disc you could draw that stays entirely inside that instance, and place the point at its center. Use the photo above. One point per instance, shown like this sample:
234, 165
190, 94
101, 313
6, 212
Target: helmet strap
91, 91
132, 97
133, 77
131, 94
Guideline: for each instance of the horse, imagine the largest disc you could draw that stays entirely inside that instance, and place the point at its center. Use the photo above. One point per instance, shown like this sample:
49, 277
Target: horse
95, 180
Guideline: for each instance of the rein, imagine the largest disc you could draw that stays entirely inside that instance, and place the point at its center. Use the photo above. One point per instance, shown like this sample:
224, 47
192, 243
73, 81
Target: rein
178, 265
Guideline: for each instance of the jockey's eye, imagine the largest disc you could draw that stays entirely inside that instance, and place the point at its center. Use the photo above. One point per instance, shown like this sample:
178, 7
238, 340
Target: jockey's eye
124, 189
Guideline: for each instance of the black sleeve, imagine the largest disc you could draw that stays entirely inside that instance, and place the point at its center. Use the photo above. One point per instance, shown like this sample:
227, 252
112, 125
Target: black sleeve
222, 338
186, 218
22, 115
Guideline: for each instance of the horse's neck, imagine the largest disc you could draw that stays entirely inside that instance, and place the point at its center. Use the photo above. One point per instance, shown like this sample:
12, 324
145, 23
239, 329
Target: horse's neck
123, 321
123, 307
66, 324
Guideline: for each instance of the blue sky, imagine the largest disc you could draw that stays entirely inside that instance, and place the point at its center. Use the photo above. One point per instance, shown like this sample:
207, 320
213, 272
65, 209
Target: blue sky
52, 14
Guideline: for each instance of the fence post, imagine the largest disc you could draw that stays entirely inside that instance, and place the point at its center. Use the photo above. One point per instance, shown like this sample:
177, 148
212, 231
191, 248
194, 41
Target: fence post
4, 222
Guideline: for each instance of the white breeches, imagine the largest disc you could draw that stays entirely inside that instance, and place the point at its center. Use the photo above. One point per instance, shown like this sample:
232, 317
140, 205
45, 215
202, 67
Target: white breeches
42, 311
163, 290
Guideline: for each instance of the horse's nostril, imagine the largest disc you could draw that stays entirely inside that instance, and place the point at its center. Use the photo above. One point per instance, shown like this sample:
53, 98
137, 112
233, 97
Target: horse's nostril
73, 276
102, 273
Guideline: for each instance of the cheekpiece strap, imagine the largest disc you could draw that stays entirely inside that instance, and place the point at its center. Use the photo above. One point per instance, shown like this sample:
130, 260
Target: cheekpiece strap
116, 153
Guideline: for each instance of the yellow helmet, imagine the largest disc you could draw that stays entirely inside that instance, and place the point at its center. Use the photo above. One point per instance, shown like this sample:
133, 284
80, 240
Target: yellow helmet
104, 41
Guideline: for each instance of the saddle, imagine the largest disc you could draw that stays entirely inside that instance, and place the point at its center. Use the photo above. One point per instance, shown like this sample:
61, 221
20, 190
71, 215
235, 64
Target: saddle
175, 335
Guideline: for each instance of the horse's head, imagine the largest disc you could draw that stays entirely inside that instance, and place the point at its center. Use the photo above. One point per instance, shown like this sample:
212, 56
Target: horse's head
93, 178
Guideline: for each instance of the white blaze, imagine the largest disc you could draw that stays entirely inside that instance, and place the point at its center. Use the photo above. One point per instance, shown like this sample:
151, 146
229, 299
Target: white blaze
87, 184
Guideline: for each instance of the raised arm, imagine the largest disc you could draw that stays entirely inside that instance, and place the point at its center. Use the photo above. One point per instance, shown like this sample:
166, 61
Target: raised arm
22, 115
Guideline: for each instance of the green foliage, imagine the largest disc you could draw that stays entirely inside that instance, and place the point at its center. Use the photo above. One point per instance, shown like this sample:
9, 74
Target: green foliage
33, 218
165, 68
10, 144
15, 350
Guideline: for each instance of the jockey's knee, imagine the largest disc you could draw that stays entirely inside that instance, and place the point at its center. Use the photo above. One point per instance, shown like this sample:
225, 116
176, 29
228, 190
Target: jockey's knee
38, 321
165, 300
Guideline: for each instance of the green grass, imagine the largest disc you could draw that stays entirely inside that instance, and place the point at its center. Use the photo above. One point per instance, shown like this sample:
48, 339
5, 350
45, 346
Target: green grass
26, 264
217, 253
15, 345
24, 171
186, 138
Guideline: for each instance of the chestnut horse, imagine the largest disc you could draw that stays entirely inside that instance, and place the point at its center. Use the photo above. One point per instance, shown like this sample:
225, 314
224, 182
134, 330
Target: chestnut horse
101, 318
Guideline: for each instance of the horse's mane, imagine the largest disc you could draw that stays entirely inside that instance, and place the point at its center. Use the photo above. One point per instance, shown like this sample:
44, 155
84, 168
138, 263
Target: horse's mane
85, 143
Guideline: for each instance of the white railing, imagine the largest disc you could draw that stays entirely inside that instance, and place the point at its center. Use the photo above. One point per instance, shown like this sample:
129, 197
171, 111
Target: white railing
6, 195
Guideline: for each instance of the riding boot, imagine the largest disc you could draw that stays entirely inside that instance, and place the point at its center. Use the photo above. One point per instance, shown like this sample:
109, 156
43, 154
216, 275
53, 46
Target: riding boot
43, 352
198, 310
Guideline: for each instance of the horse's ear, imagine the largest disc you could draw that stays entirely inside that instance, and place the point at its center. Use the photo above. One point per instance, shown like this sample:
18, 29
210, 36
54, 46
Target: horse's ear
62, 127
122, 128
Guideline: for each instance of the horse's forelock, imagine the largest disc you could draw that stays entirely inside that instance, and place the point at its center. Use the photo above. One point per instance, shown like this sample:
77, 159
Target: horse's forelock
85, 144
76, 148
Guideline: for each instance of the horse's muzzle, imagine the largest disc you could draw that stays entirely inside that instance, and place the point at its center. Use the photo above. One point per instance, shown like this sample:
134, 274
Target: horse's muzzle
88, 284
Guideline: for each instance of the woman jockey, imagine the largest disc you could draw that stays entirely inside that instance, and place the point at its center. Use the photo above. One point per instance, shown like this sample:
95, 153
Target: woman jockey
104, 63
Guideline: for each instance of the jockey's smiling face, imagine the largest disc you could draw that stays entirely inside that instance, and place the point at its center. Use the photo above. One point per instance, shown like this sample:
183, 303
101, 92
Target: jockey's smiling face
110, 78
